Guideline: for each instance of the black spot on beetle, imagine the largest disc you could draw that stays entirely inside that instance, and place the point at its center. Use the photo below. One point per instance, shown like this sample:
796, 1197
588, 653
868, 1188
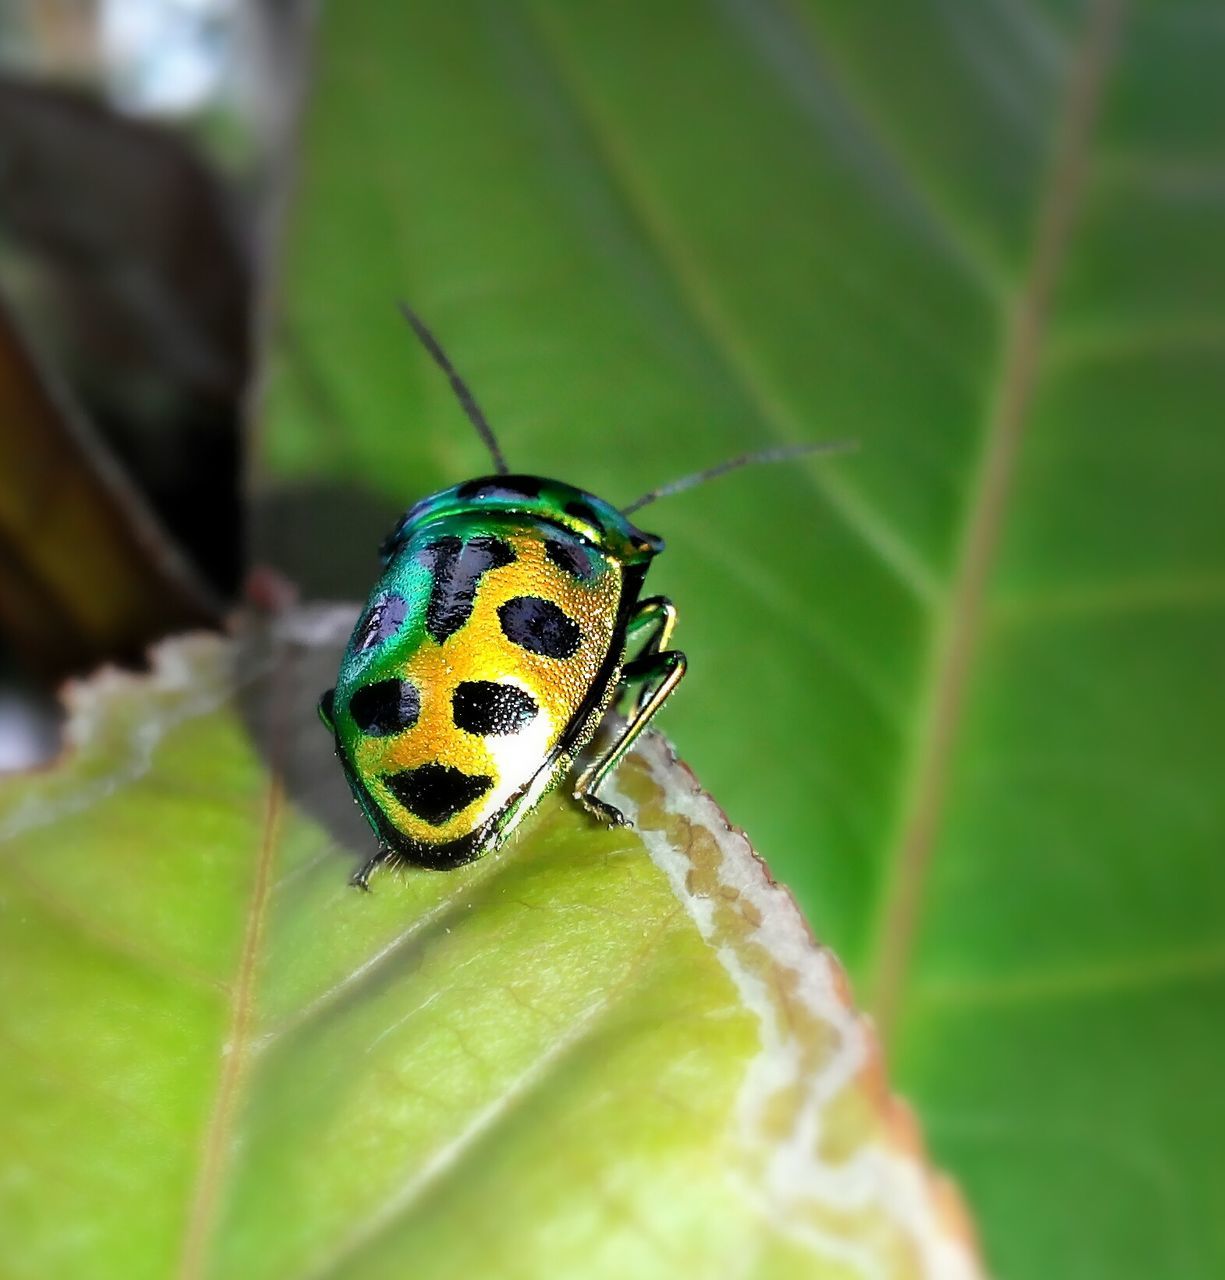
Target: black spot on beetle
501, 487
575, 560
383, 619
484, 707
539, 626
385, 707
586, 512
435, 793
457, 567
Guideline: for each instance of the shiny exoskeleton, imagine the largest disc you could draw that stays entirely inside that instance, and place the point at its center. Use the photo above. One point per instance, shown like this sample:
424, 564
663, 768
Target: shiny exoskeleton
508, 617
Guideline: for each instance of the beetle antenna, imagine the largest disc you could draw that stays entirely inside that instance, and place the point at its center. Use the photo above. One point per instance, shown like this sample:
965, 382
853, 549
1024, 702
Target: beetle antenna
459, 386
782, 453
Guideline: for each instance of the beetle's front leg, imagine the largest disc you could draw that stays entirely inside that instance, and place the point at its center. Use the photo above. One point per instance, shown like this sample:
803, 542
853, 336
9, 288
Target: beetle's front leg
656, 615
658, 672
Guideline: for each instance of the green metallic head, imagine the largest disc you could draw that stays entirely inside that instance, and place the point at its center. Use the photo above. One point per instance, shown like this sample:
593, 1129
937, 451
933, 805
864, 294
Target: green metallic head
551, 501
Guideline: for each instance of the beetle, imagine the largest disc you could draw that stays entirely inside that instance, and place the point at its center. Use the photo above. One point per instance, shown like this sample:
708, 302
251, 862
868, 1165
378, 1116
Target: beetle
509, 618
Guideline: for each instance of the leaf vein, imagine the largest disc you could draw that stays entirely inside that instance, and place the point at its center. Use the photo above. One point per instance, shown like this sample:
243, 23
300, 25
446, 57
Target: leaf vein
448, 1157
956, 629
202, 1210
712, 321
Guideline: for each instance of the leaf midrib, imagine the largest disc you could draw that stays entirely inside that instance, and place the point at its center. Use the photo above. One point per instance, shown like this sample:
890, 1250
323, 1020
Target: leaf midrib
956, 625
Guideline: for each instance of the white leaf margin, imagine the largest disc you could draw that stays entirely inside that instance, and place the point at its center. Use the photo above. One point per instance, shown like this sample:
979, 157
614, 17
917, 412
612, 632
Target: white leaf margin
795, 1188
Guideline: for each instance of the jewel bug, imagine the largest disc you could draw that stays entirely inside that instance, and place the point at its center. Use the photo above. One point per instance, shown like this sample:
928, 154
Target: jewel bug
491, 648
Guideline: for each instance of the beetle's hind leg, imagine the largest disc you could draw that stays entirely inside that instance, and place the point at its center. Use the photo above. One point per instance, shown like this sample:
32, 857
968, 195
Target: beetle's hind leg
657, 671
360, 879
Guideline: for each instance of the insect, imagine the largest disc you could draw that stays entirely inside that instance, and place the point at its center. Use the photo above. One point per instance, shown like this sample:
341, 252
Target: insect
508, 619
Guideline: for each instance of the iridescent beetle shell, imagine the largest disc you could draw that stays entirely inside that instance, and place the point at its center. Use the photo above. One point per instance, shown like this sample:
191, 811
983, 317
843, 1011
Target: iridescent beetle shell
484, 660
492, 646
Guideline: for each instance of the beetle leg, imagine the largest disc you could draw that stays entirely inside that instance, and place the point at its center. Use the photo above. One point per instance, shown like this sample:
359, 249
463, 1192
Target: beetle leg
360, 879
326, 710
599, 809
657, 616
660, 673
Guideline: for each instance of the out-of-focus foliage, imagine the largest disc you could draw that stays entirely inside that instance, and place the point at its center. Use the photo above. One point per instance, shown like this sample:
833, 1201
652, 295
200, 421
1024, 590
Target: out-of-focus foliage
592, 1053
126, 263
963, 688
85, 571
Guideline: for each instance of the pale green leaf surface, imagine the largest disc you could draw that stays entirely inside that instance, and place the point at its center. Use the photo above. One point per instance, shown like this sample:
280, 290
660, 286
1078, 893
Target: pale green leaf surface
977, 666
590, 1054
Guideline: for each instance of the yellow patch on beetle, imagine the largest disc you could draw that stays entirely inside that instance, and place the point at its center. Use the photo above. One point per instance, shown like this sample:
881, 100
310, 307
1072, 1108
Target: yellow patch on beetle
481, 651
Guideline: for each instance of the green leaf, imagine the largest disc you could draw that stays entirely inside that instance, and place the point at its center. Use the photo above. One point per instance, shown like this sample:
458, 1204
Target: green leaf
965, 687
591, 1053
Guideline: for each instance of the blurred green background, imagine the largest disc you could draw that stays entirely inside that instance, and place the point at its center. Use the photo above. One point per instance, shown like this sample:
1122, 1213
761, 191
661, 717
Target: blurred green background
964, 688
